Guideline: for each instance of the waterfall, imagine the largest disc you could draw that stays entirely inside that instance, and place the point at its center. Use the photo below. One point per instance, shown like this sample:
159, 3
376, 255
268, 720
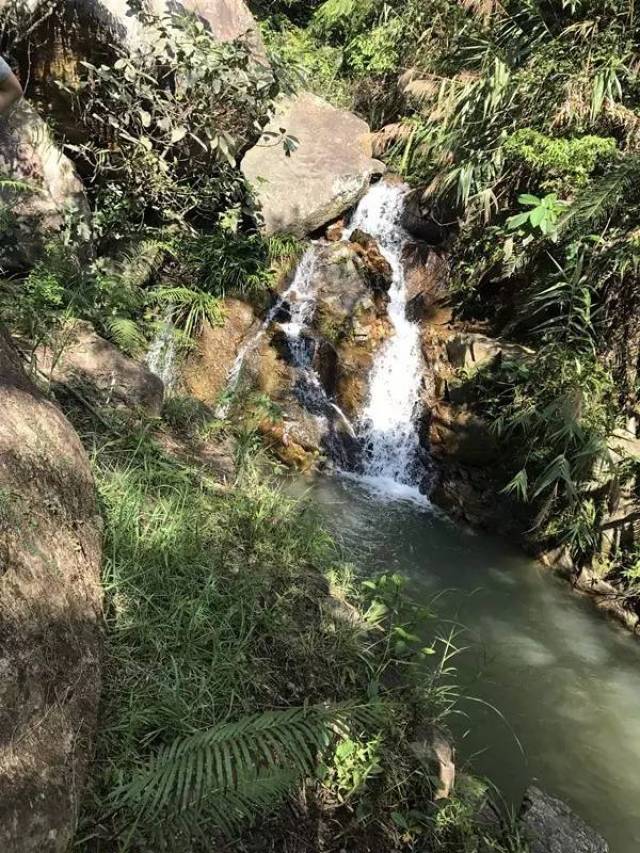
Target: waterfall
299, 295
387, 428
388, 422
161, 356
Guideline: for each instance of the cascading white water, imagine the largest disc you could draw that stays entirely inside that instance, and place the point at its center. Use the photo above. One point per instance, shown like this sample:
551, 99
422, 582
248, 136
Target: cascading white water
161, 356
300, 301
388, 423
389, 418
300, 291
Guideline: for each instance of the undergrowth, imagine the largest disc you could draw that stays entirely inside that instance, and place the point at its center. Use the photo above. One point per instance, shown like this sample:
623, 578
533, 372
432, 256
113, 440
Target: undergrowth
250, 682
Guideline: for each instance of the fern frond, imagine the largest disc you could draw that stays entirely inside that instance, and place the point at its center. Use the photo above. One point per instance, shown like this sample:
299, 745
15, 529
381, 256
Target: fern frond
126, 335
233, 770
599, 201
191, 308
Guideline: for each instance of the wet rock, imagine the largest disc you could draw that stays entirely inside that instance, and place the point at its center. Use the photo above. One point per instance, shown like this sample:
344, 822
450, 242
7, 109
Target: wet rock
378, 268
344, 292
79, 358
334, 231
427, 221
50, 616
206, 372
355, 357
466, 350
325, 364
325, 176
426, 280
459, 435
550, 826
294, 445
350, 315
52, 192
434, 749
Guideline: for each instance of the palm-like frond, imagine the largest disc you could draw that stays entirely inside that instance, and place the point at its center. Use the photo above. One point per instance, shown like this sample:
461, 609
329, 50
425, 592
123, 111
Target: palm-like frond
191, 308
566, 308
599, 201
234, 770
126, 334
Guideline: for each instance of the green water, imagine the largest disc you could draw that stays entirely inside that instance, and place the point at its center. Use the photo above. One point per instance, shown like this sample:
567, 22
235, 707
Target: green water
567, 682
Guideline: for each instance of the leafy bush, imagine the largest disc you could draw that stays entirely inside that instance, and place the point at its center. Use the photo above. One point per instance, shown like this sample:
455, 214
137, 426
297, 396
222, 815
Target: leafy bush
307, 61
560, 162
376, 52
165, 124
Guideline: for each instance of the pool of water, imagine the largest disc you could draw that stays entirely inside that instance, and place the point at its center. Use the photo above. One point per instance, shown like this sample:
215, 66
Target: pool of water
566, 681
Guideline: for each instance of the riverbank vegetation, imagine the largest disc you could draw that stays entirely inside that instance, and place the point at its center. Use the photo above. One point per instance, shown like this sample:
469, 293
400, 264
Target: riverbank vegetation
254, 688
518, 122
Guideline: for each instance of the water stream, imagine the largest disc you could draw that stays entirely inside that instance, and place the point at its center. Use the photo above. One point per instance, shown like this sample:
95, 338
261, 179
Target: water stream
389, 418
567, 683
161, 356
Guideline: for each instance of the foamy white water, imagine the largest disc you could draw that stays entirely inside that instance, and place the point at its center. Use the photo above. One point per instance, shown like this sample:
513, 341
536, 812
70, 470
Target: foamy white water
301, 292
161, 356
389, 418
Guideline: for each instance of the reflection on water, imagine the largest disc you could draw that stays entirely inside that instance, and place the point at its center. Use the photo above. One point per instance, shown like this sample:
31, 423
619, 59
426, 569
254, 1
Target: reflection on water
568, 684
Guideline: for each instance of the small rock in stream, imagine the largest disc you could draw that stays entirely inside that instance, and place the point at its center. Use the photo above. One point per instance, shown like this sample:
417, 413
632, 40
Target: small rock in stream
550, 826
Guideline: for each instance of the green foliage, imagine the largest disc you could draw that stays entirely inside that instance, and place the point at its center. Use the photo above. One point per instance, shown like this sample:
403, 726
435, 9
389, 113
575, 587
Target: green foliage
164, 125
559, 162
305, 60
558, 407
339, 17
542, 216
231, 678
233, 770
186, 415
353, 762
225, 262
376, 52
189, 308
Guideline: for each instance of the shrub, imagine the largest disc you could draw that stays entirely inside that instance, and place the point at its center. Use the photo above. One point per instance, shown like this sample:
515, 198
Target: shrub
559, 162
165, 124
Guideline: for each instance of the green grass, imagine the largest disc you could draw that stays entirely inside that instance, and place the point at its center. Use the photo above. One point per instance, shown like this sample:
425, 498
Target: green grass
214, 608
226, 604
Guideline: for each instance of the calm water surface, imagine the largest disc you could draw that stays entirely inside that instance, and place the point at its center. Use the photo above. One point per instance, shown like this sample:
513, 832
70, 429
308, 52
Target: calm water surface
567, 682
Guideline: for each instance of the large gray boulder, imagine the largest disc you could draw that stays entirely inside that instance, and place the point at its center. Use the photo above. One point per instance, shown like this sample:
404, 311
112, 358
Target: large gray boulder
228, 20
50, 616
327, 174
48, 193
550, 826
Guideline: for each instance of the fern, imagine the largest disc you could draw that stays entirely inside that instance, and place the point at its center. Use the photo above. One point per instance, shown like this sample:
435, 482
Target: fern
233, 771
126, 334
191, 308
